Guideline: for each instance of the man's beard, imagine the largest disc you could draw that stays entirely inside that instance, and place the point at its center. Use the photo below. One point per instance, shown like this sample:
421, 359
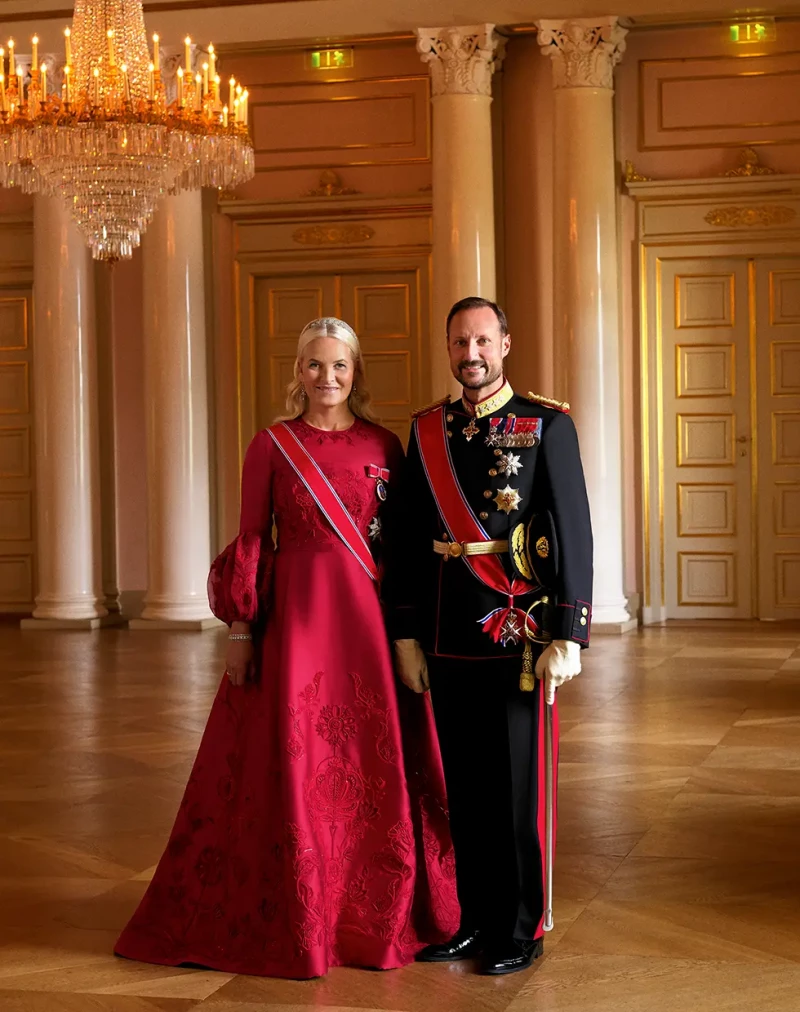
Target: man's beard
491, 375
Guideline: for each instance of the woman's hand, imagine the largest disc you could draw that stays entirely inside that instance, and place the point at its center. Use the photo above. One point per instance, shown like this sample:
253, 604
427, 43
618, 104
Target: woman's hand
239, 655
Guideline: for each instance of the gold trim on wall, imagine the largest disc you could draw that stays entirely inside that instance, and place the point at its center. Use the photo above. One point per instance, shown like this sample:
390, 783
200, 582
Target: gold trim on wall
26, 388
681, 415
680, 485
709, 604
754, 518
24, 345
332, 235
781, 602
776, 509
705, 326
764, 215
775, 415
660, 428
711, 143
730, 347
644, 352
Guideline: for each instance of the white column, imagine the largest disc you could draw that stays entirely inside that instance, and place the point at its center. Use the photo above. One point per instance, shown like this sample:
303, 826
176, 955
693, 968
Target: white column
462, 61
584, 52
66, 427
178, 528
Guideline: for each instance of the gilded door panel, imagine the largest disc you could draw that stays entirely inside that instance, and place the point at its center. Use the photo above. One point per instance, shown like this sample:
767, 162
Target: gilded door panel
17, 534
776, 318
282, 305
384, 308
707, 489
385, 304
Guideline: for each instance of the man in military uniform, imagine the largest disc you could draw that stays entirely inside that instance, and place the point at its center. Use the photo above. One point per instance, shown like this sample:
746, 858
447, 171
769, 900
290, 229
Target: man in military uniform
492, 547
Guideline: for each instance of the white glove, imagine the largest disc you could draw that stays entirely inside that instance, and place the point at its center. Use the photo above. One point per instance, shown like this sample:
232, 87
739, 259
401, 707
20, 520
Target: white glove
557, 663
411, 665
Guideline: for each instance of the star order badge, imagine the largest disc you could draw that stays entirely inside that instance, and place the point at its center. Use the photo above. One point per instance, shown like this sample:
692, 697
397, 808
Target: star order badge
511, 631
374, 529
509, 463
471, 430
508, 499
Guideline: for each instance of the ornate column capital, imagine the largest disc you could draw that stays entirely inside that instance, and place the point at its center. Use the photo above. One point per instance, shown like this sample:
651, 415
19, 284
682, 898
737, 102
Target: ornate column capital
462, 59
584, 50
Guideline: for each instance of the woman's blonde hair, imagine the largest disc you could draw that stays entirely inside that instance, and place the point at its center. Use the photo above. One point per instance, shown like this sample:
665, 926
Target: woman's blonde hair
359, 399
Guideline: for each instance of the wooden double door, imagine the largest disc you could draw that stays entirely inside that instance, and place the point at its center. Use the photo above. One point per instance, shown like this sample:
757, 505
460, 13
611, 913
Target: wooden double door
730, 361
386, 303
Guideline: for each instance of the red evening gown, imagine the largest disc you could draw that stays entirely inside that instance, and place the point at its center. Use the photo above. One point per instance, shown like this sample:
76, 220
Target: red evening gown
313, 830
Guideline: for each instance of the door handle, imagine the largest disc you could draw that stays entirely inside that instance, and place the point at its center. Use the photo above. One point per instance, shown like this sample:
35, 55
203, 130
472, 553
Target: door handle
742, 439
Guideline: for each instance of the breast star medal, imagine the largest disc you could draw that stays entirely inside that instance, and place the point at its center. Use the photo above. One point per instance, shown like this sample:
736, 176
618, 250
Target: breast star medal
509, 463
508, 499
471, 430
374, 529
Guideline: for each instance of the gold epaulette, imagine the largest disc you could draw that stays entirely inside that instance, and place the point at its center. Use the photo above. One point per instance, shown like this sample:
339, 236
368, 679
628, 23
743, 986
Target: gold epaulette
549, 402
430, 407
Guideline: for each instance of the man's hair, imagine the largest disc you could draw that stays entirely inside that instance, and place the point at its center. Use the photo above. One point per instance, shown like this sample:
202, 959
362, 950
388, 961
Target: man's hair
474, 302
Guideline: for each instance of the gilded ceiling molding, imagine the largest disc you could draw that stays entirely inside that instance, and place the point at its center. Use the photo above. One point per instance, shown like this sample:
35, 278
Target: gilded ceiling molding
332, 235
749, 164
584, 50
330, 185
764, 215
461, 59
632, 176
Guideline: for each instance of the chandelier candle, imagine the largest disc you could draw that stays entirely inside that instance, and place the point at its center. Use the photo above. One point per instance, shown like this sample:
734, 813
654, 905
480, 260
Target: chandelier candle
107, 141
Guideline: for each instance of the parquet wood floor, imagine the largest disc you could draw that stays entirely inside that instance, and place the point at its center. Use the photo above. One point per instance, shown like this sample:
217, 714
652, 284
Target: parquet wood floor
677, 881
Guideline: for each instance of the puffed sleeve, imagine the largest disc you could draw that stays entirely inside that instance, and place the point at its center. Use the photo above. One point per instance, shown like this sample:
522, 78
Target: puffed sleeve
241, 575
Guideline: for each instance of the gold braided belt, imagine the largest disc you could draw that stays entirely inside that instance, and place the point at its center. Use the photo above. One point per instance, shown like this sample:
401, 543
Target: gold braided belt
455, 549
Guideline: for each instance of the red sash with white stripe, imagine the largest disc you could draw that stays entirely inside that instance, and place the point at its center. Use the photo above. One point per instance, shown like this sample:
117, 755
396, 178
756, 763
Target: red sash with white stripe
324, 495
463, 525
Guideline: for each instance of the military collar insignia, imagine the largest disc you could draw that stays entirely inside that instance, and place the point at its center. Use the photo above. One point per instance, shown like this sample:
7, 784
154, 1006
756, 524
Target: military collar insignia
491, 404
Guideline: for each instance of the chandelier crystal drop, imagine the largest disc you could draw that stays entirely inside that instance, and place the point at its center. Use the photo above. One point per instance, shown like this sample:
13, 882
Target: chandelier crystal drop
104, 138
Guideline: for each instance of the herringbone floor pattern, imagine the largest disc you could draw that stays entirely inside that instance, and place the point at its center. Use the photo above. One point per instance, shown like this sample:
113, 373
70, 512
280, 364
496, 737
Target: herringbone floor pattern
678, 880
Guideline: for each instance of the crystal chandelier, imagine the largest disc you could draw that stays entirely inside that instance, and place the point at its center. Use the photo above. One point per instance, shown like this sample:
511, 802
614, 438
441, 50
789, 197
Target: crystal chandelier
105, 138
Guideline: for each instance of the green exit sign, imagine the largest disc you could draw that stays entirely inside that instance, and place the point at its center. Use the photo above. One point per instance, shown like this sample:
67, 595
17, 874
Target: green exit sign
746, 32
329, 59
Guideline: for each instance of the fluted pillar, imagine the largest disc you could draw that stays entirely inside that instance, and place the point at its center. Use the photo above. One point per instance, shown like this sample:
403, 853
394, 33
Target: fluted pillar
586, 338
66, 427
178, 528
462, 61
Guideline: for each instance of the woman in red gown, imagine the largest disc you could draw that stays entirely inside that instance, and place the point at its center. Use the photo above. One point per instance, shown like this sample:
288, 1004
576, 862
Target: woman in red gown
313, 830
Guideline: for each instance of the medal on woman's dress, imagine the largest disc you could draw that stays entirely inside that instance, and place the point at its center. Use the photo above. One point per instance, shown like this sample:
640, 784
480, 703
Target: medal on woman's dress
381, 476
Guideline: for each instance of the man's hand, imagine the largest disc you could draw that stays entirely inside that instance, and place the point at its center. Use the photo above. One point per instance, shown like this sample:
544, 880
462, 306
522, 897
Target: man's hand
557, 663
411, 665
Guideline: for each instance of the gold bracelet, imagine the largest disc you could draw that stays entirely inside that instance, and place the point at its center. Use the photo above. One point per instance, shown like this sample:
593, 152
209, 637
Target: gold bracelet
240, 636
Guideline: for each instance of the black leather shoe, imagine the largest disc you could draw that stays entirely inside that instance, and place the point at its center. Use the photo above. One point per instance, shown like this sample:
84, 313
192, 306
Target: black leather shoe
511, 957
463, 945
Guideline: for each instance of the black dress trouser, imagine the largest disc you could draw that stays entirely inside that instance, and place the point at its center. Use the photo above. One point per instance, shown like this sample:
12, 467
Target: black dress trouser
489, 734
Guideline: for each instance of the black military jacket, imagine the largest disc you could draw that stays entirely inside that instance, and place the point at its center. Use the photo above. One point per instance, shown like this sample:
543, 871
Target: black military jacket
438, 600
